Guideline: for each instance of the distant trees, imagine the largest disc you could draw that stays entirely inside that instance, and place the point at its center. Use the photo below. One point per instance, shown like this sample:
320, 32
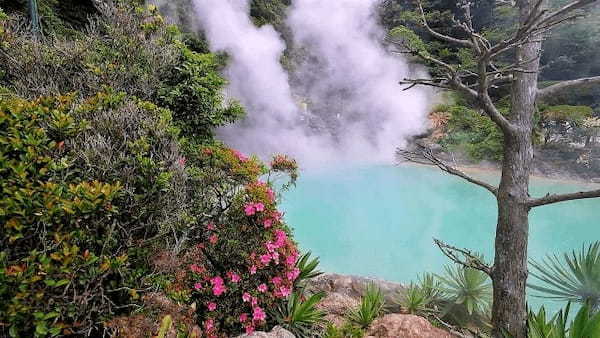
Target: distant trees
510, 61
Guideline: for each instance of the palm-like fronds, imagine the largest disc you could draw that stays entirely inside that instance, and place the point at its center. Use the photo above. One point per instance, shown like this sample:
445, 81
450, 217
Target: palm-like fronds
468, 288
583, 326
574, 278
421, 298
371, 306
308, 267
301, 317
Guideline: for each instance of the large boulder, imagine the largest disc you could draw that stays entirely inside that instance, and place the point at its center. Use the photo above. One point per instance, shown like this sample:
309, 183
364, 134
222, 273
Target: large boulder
354, 286
405, 326
336, 306
277, 332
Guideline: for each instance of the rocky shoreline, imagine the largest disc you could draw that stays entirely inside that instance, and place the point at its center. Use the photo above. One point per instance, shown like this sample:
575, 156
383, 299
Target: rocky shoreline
344, 292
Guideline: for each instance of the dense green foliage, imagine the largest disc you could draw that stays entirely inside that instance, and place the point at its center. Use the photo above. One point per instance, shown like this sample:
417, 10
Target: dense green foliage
584, 324
575, 278
114, 191
472, 132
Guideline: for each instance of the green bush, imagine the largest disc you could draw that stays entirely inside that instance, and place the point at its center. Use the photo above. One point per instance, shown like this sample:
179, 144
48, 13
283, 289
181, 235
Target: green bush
193, 93
59, 270
131, 50
473, 133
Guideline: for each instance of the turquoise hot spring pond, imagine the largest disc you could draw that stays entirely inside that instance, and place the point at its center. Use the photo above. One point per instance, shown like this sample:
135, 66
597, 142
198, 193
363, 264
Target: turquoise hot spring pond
379, 221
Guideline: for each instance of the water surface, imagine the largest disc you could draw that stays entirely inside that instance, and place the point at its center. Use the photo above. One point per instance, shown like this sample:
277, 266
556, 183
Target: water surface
379, 221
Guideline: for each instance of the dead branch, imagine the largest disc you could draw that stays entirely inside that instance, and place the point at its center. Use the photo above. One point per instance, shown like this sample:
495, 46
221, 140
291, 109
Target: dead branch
468, 259
425, 156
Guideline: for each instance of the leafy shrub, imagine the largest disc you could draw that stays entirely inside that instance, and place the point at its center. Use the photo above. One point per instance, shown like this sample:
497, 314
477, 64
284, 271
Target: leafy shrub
371, 306
472, 132
142, 57
193, 93
59, 270
243, 261
574, 278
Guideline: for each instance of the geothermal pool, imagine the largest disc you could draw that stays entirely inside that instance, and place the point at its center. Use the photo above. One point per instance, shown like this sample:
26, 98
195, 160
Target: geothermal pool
379, 221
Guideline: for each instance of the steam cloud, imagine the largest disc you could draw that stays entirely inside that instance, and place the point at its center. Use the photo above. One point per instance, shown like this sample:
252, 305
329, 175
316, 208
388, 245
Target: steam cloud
341, 102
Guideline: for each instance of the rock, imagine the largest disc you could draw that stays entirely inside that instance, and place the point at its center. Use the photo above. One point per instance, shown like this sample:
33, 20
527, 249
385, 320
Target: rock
354, 286
277, 332
336, 306
405, 326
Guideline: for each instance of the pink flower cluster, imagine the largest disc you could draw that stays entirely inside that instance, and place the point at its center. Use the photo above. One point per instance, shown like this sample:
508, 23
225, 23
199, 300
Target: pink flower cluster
252, 208
218, 287
241, 157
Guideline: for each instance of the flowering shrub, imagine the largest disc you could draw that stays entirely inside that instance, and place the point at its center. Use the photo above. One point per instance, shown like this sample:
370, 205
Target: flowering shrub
244, 261
55, 257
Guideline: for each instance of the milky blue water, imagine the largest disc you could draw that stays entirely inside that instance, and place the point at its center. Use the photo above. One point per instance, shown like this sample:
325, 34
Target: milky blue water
379, 221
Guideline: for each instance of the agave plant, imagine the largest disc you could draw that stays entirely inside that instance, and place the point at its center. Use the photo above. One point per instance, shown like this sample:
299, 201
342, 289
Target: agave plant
583, 326
308, 268
467, 296
575, 278
301, 316
423, 297
371, 306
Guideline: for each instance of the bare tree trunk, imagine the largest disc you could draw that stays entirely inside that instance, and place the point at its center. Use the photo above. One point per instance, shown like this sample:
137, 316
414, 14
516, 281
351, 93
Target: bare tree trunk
509, 275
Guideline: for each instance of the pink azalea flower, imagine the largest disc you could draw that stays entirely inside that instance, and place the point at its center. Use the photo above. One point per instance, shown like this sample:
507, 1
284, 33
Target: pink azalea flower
276, 280
262, 288
218, 289
254, 301
246, 297
253, 269
270, 246
285, 291
292, 275
265, 259
259, 207
267, 223
211, 306
271, 194
249, 209
209, 324
198, 286
258, 314
181, 161
234, 277
249, 329
280, 238
216, 280
239, 155
277, 216
213, 238
211, 227
291, 259
243, 317
275, 257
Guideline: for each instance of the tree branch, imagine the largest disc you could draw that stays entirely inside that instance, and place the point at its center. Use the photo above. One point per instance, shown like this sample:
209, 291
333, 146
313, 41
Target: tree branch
469, 259
553, 89
426, 156
440, 36
556, 198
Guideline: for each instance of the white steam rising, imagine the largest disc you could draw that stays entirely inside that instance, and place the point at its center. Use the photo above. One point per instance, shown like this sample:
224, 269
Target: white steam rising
346, 102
